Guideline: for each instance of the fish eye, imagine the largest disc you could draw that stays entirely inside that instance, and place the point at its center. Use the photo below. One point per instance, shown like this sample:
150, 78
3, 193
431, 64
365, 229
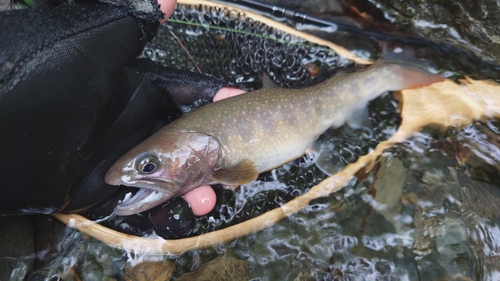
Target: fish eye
148, 168
147, 165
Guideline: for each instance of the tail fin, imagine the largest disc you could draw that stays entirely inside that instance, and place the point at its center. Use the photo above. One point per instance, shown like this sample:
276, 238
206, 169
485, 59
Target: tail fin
415, 77
414, 72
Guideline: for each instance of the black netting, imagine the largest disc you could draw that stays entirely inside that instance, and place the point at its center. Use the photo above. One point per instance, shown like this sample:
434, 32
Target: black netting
228, 45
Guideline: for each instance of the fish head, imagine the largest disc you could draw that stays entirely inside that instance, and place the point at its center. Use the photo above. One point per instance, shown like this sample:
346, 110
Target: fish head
165, 165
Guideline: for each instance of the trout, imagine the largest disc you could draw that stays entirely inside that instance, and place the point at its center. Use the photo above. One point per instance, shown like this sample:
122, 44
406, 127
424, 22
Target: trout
233, 140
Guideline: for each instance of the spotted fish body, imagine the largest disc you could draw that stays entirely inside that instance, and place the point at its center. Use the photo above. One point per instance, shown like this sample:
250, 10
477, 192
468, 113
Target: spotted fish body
240, 137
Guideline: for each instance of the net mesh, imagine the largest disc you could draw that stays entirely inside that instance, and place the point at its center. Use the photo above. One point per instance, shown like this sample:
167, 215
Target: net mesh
228, 45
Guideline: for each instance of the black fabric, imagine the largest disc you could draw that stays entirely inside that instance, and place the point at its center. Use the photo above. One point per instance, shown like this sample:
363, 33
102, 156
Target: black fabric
189, 88
69, 105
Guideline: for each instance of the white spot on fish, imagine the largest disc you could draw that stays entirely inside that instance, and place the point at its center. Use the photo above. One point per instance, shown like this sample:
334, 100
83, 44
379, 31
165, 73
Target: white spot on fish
126, 178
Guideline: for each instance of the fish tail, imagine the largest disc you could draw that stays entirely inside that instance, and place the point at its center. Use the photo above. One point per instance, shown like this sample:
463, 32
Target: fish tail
415, 77
408, 70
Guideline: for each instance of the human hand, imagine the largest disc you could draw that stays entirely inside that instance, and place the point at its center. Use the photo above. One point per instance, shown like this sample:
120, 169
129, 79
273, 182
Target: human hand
167, 7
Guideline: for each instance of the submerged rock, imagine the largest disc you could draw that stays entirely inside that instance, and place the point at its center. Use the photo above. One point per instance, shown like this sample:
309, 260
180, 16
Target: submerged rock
17, 245
222, 268
304, 276
150, 271
467, 25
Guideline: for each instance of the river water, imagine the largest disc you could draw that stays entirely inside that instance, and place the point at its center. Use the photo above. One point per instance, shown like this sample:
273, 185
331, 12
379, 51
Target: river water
426, 211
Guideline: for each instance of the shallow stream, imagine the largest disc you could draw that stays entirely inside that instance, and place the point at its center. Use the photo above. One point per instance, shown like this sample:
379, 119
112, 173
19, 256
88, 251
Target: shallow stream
426, 211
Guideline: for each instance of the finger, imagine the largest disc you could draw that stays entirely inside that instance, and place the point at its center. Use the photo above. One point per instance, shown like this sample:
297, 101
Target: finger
202, 200
167, 7
227, 92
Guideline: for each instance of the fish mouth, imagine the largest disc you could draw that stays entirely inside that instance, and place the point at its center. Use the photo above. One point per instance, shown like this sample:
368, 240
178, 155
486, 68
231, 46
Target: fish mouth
152, 192
143, 200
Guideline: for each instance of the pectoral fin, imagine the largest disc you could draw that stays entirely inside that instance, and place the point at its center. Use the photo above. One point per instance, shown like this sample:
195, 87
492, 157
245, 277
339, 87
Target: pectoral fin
241, 173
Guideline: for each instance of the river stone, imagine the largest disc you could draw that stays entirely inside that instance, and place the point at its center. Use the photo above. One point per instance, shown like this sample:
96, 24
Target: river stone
4, 5
455, 255
304, 276
467, 25
150, 271
222, 268
17, 245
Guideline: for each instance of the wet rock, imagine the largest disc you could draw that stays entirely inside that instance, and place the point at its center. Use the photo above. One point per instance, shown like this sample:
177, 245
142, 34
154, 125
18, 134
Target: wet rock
389, 182
150, 271
478, 148
367, 269
455, 255
4, 5
222, 268
449, 256
70, 275
304, 276
82, 258
49, 234
467, 25
17, 245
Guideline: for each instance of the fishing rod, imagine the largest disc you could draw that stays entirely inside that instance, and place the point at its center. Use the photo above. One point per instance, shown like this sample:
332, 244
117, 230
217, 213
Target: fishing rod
281, 14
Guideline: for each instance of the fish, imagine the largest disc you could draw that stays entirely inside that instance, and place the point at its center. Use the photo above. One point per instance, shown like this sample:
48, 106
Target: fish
233, 140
